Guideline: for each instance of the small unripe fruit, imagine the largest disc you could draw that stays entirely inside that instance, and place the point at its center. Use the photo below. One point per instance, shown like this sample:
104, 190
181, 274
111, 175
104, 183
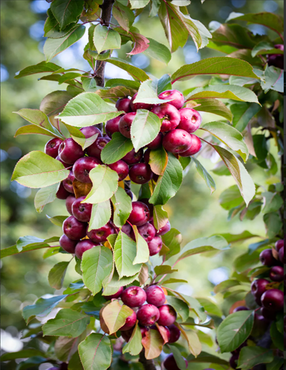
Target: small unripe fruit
148, 314
133, 296
167, 315
155, 295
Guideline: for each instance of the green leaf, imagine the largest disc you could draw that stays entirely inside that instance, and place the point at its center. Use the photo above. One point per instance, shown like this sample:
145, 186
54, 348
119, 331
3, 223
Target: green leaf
105, 38
66, 11
142, 254
134, 345
115, 283
228, 136
31, 362
160, 217
193, 341
53, 47
158, 161
273, 202
57, 274
114, 315
75, 363
270, 20
276, 336
32, 129
25, 353
180, 361
202, 245
234, 238
164, 269
124, 16
180, 307
254, 355
144, 129
169, 183
263, 48
148, 94
67, 323
41, 67
239, 173
272, 79
233, 92
57, 220
122, 206
124, 254
97, 264
230, 198
242, 114
100, 215
135, 72
273, 224
172, 239
213, 106
104, 184
276, 364
153, 344
44, 196
234, 330
95, 352
205, 175
164, 83
138, 4
210, 307
214, 66
173, 281
55, 102
87, 109
140, 42
116, 148
158, 51
40, 119
42, 307
37, 170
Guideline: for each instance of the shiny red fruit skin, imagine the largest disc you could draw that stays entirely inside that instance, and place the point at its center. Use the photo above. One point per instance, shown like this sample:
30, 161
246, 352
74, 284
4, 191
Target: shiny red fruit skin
176, 96
166, 228
81, 211
115, 295
140, 173
95, 149
258, 287
121, 168
167, 315
62, 193
67, 244
130, 322
133, 157
140, 214
90, 131
177, 141
175, 333
100, 235
133, 296
273, 300
74, 229
266, 258
276, 273
123, 104
148, 314
83, 246
67, 183
52, 147
155, 245
190, 120
69, 201
156, 143
170, 363
279, 244
70, 151
170, 115
83, 166
147, 231
112, 126
195, 147
125, 124
155, 295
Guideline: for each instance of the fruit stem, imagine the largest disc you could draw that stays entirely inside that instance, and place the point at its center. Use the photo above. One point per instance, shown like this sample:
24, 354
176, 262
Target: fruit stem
147, 364
106, 13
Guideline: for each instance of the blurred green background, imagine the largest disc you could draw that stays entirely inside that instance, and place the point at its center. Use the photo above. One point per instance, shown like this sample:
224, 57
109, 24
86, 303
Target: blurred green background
194, 211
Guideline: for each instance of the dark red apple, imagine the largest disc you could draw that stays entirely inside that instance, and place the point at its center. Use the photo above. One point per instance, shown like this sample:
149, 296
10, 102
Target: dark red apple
130, 322
155, 295
169, 114
125, 124
67, 244
70, 151
121, 168
62, 162
190, 120
240, 308
171, 364
94, 150
115, 295
177, 141
89, 131
81, 211
67, 183
281, 255
62, 193
123, 104
83, 246
258, 287
127, 229
83, 166
140, 214
166, 228
195, 147
69, 201
111, 125
273, 300
279, 244
175, 333
133, 296
155, 245
266, 258
74, 229
52, 147
167, 315
133, 157
276, 60
176, 96
276, 273
148, 314
135, 106
100, 235
147, 231
140, 173
156, 143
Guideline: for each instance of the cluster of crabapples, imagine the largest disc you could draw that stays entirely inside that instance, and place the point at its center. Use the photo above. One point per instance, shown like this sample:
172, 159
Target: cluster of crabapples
268, 294
176, 137
152, 313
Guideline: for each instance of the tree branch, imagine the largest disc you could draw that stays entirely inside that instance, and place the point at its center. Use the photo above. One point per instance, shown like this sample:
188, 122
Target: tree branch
106, 13
147, 364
